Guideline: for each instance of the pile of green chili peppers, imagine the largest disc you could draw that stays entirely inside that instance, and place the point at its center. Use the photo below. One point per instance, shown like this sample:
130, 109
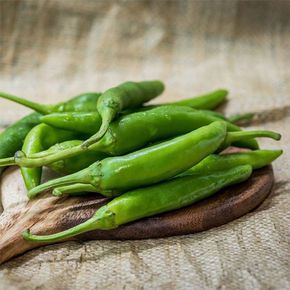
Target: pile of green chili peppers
148, 159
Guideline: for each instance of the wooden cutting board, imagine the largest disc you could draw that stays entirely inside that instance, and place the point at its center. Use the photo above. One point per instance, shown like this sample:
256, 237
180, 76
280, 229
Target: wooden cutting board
51, 214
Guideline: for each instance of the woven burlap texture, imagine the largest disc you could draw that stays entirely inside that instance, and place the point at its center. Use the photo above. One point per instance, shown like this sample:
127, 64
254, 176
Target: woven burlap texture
54, 49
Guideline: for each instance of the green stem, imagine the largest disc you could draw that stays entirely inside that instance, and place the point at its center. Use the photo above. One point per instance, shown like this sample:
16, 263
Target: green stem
90, 225
7, 161
37, 160
240, 136
82, 176
106, 120
206, 102
40, 108
243, 135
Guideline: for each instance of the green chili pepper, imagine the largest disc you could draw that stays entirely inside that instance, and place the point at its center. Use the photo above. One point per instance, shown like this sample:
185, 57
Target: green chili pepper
87, 122
208, 101
90, 122
38, 139
132, 132
83, 103
11, 139
125, 96
114, 175
145, 202
257, 159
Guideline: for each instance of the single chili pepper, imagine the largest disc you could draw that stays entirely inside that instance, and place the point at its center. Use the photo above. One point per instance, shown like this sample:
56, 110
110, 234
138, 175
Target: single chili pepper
208, 101
125, 96
38, 139
86, 102
75, 163
257, 159
145, 202
87, 122
134, 131
11, 139
114, 175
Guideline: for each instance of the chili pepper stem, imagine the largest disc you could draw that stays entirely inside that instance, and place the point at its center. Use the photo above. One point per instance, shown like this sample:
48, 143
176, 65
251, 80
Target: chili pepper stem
102, 131
91, 223
82, 176
35, 161
241, 135
40, 108
7, 161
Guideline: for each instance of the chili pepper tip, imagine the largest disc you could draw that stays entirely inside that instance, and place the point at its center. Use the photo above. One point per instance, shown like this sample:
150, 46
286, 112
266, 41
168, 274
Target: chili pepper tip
57, 192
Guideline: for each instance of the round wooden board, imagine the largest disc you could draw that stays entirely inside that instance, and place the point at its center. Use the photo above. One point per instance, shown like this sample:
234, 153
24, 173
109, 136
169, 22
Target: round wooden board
49, 214
225, 206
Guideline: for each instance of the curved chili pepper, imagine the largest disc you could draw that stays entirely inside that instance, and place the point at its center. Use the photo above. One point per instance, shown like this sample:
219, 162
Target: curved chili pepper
125, 96
89, 122
208, 101
114, 175
145, 202
86, 102
38, 139
132, 132
86, 122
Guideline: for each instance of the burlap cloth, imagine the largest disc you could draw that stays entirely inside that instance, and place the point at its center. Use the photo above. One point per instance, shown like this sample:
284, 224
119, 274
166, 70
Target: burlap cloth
51, 50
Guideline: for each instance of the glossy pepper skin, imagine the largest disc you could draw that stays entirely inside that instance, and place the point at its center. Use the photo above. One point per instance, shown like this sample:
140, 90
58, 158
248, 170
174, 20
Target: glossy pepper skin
144, 202
86, 122
128, 95
208, 101
114, 175
82, 103
90, 122
11, 139
38, 139
134, 131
